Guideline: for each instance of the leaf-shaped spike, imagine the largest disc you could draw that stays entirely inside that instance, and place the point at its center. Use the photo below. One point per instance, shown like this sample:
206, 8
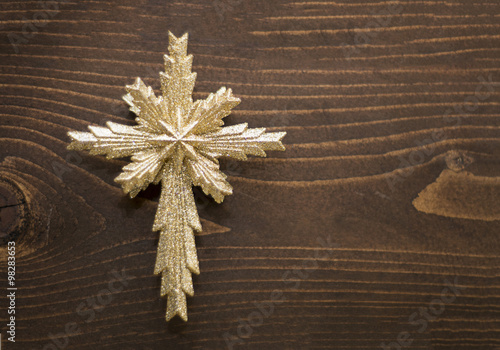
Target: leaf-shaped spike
237, 141
177, 82
145, 105
142, 171
212, 110
118, 142
206, 174
176, 259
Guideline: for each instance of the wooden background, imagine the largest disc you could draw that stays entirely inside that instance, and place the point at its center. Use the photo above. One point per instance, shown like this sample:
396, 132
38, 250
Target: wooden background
358, 100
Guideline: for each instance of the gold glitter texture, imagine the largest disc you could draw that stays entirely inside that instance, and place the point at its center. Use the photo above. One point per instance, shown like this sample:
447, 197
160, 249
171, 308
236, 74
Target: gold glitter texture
176, 142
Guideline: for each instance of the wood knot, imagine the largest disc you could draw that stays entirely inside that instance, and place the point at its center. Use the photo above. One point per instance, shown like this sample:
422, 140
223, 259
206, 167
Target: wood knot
458, 160
14, 213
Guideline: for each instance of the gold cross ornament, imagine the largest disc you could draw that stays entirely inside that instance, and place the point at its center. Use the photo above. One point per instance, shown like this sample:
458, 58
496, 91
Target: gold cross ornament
176, 142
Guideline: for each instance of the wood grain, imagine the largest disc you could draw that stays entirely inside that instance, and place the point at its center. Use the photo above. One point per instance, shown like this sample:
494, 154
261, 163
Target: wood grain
376, 114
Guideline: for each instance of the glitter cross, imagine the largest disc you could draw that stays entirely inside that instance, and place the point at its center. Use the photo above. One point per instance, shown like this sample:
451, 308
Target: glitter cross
176, 142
